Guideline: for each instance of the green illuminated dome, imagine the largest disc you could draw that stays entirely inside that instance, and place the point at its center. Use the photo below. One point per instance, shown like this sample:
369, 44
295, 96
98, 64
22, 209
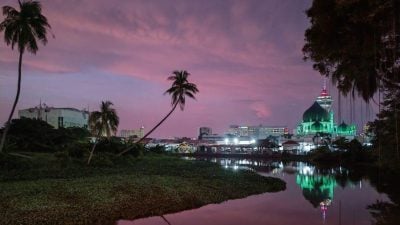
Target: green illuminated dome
317, 126
315, 113
343, 127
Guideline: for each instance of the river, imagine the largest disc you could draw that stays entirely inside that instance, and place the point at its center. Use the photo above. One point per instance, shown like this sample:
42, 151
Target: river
312, 196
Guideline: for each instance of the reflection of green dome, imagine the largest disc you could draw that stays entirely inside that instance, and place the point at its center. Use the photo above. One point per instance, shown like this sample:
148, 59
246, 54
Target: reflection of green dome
316, 188
315, 113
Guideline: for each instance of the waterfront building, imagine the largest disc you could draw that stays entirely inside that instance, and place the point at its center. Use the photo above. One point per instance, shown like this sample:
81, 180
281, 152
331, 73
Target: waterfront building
137, 133
257, 132
57, 117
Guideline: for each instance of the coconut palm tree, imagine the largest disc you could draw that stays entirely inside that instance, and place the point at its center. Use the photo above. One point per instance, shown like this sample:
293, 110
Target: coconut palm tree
179, 89
103, 123
23, 28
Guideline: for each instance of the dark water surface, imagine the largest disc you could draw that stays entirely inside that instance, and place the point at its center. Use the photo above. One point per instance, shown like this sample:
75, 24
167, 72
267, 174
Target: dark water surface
312, 196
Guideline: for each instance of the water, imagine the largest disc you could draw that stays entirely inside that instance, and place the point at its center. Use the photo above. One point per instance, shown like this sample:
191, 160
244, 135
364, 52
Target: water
312, 196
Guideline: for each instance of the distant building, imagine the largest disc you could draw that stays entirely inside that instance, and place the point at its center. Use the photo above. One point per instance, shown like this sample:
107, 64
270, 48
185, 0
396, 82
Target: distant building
204, 131
57, 117
257, 132
139, 133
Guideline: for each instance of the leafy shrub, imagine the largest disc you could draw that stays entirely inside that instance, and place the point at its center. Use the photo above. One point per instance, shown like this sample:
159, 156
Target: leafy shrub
158, 149
11, 162
111, 145
77, 150
37, 136
103, 160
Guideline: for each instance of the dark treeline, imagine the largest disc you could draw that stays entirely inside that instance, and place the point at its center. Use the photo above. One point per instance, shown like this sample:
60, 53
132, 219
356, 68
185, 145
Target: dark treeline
357, 45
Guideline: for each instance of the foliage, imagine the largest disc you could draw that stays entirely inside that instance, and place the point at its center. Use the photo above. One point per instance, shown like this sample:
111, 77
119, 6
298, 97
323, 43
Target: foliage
34, 135
22, 28
386, 129
104, 122
348, 152
355, 43
179, 90
131, 188
158, 149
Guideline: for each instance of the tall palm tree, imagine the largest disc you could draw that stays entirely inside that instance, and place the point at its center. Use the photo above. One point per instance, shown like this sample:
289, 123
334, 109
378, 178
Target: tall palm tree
23, 28
179, 89
103, 123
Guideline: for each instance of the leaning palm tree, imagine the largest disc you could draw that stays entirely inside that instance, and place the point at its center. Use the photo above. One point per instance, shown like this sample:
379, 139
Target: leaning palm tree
179, 90
103, 123
23, 28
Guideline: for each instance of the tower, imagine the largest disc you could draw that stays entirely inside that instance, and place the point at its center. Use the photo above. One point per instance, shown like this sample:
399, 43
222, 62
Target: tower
324, 99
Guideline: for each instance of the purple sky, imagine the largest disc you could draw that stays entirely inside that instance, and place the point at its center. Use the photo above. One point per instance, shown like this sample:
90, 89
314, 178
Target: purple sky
245, 57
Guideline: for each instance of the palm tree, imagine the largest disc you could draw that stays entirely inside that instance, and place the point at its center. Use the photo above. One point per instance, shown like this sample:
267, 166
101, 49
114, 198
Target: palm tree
23, 28
179, 90
103, 123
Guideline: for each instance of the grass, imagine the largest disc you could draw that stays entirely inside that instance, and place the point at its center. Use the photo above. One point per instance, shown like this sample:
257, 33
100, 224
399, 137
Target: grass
48, 190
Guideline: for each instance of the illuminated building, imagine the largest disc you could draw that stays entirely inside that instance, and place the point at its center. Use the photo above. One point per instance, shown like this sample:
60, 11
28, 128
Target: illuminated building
57, 117
257, 132
319, 118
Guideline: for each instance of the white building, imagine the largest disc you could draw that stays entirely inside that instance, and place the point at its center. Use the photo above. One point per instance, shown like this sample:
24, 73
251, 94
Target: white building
257, 132
57, 117
139, 133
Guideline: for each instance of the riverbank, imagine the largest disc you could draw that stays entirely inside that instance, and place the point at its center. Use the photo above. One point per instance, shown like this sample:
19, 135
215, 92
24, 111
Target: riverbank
50, 190
275, 156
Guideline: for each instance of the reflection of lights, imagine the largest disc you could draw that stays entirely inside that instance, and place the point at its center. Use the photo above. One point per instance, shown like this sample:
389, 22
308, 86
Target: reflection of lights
307, 170
327, 202
235, 167
236, 141
324, 207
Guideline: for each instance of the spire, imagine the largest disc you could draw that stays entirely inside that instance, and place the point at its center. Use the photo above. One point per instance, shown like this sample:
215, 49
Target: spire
324, 99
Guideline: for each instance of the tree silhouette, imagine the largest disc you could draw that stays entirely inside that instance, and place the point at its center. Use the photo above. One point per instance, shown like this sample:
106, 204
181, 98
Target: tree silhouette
179, 89
23, 28
103, 123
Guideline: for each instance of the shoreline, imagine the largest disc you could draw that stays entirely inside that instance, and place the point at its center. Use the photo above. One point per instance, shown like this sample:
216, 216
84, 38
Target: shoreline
153, 186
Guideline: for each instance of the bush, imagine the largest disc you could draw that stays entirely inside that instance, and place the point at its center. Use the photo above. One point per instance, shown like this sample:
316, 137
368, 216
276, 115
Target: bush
158, 149
37, 136
77, 150
11, 162
103, 160
111, 145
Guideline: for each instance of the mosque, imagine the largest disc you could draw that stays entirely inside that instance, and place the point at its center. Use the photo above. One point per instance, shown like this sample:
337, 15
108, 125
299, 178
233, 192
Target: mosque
319, 119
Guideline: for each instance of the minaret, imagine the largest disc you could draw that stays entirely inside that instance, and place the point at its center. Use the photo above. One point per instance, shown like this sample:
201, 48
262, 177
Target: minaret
324, 99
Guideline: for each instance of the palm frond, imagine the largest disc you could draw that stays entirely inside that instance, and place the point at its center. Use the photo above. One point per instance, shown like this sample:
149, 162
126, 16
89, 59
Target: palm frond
25, 27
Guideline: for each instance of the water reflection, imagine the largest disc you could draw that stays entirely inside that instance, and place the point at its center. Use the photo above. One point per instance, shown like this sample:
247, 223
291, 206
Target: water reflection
313, 196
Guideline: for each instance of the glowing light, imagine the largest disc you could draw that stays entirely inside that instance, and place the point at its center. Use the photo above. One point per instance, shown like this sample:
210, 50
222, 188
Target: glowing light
236, 141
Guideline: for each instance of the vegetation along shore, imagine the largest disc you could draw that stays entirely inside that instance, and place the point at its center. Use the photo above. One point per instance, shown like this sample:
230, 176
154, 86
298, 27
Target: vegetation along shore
46, 188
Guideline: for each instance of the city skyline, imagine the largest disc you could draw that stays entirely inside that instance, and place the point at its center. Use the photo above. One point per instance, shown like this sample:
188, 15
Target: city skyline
244, 56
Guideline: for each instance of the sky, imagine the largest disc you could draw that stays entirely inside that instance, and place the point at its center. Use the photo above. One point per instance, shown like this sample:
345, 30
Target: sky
244, 56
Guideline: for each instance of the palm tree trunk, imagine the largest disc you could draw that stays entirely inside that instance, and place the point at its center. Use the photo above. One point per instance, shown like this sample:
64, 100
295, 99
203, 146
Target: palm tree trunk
91, 152
8, 123
151, 131
94, 146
